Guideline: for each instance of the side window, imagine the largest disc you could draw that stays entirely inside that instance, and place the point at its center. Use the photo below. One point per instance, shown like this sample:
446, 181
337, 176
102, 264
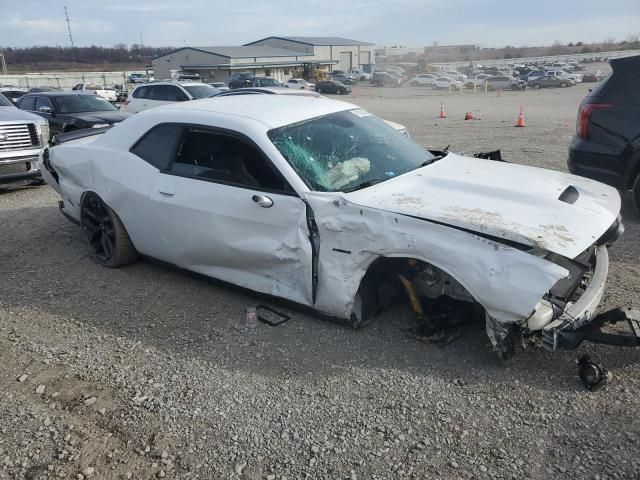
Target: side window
218, 157
27, 103
43, 102
158, 145
172, 94
140, 92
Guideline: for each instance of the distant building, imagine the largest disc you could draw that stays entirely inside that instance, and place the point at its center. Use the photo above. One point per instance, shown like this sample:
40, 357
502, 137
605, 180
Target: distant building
387, 52
277, 57
345, 52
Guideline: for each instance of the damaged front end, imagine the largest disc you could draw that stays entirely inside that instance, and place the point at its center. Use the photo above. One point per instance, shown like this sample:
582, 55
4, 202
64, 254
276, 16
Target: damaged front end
565, 317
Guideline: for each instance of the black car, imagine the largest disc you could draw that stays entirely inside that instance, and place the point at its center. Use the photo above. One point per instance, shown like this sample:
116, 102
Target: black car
332, 86
13, 95
240, 80
342, 78
67, 111
606, 146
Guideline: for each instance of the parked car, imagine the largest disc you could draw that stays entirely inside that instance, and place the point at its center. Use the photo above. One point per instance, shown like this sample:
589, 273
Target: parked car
385, 79
185, 77
606, 146
120, 92
219, 86
44, 89
240, 80
264, 82
137, 78
323, 204
66, 111
533, 75
423, 80
155, 94
346, 79
504, 83
332, 86
360, 75
549, 81
592, 77
441, 83
96, 89
13, 93
576, 77
22, 136
477, 81
300, 84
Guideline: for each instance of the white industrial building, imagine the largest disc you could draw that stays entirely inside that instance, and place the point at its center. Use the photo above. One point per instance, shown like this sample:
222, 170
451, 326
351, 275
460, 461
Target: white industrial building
348, 53
277, 57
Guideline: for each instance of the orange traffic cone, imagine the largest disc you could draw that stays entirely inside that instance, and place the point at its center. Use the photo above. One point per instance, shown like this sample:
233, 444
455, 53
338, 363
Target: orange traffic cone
442, 114
520, 122
469, 116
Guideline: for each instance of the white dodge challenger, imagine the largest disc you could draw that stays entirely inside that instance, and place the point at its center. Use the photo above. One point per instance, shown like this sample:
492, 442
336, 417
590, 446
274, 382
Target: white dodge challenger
321, 203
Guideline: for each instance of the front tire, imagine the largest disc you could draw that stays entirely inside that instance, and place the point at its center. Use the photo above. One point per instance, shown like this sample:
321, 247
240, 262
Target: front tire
537, 86
564, 85
108, 240
635, 193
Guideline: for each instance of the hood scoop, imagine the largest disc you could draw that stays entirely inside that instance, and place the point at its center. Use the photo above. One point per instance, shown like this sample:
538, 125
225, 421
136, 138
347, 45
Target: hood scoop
569, 195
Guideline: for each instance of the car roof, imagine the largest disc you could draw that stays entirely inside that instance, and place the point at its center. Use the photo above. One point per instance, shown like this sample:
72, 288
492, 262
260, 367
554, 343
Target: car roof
267, 91
58, 94
169, 82
271, 110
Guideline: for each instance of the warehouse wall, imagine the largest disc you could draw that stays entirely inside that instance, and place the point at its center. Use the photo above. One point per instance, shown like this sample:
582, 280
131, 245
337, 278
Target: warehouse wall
162, 66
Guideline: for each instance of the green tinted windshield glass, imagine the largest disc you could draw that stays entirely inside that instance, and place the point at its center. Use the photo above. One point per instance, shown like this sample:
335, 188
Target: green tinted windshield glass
347, 150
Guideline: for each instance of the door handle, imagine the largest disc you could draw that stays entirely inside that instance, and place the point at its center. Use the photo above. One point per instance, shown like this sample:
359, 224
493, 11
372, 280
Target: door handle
168, 190
262, 200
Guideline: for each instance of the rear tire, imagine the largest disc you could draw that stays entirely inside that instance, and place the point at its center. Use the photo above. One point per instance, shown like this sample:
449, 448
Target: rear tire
564, 85
635, 193
108, 240
537, 86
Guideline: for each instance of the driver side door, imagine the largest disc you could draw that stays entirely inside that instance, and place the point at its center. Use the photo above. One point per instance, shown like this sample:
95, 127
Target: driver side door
223, 210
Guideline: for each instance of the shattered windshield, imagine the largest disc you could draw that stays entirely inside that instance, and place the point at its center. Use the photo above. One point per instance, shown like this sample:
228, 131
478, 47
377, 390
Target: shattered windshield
347, 150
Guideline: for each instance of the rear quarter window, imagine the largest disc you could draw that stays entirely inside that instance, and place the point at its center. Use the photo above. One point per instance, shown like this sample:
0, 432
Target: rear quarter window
139, 92
158, 145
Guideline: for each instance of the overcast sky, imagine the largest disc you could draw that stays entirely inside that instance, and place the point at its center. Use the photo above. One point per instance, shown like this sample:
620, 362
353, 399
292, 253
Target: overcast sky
383, 22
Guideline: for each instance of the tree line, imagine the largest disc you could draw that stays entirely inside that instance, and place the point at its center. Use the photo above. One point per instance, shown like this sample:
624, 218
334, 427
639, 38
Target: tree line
121, 53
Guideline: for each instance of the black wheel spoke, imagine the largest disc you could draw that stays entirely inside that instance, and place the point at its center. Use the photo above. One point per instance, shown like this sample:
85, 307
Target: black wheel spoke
98, 228
107, 245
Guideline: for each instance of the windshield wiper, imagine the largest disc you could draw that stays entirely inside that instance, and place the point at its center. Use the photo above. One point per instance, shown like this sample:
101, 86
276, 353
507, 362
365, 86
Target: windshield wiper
367, 183
434, 159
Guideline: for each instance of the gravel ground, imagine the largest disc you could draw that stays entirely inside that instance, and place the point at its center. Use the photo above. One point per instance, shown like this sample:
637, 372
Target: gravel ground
149, 372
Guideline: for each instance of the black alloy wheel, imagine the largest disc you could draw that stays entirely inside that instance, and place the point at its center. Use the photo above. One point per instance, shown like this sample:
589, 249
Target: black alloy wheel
108, 240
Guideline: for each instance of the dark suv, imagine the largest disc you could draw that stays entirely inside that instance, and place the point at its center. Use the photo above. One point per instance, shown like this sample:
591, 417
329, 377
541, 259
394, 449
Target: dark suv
606, 146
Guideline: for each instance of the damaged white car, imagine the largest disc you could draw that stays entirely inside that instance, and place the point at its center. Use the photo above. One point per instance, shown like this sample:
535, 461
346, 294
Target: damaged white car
319, 202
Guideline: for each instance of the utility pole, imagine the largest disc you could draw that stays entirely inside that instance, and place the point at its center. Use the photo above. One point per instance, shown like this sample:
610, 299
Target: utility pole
141, 42
3, 63
66, 14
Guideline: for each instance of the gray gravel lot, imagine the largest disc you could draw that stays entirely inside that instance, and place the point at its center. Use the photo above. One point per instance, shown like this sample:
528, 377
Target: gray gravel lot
149, 372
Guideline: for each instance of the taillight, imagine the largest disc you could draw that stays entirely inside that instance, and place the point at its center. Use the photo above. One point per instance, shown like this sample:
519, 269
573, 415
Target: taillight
582, 126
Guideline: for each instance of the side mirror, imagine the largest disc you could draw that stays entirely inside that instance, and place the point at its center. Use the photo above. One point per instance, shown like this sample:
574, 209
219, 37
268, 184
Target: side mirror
182, 98
45, 110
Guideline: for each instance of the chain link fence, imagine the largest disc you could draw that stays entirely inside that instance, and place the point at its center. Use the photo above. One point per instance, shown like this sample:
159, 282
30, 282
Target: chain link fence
64, 80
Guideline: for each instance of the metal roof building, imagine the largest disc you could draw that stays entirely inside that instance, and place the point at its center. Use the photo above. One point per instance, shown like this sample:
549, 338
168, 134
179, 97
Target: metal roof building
346, 52
278, 57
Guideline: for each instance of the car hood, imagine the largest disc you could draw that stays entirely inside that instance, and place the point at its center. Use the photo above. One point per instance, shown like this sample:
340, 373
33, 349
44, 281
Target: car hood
555, 211
102, 117
13, 114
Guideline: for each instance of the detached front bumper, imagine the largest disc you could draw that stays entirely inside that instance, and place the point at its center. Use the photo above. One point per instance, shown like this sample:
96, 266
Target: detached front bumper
580, 322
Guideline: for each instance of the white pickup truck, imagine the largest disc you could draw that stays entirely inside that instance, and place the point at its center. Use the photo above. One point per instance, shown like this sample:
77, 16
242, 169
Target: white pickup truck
96, 89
